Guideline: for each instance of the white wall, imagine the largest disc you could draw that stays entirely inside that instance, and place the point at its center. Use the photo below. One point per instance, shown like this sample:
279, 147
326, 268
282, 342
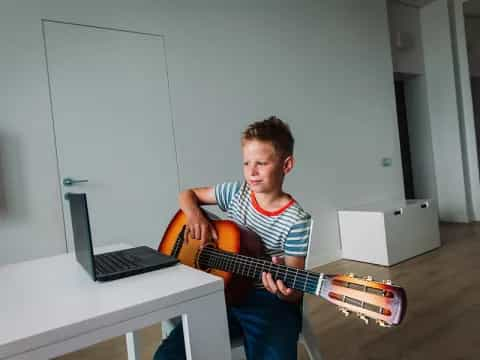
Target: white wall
472, 28
404, 25
443, 112
465, 109
439, 112
323, 66
409, 63
30, 215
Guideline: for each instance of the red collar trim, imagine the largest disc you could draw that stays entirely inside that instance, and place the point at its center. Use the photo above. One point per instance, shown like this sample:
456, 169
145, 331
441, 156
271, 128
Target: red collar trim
262, 211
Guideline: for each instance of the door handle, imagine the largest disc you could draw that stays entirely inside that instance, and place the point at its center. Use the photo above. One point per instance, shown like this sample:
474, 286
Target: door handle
71, 182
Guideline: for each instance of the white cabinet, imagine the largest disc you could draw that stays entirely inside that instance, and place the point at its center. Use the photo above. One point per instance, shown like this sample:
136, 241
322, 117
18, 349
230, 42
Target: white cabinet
389, 232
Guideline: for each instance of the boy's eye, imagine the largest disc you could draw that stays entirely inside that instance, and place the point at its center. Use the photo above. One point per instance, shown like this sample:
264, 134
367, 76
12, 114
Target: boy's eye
258, 163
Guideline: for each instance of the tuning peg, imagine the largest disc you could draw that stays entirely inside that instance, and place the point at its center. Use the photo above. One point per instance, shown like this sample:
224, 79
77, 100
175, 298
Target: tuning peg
364, 318
344, 311
368, 278
383, 323
352, 275
388, 282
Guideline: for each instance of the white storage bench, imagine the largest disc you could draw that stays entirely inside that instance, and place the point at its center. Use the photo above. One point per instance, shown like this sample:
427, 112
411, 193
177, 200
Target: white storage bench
389, 232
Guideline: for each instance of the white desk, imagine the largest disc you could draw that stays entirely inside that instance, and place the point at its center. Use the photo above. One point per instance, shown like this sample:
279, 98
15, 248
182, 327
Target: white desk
51, 306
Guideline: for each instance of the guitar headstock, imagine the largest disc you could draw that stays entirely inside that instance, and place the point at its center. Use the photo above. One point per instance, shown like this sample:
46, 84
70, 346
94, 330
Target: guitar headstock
369, 299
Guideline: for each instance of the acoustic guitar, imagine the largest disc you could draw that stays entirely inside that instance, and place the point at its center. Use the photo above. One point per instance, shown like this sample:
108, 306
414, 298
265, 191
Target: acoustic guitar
238, 257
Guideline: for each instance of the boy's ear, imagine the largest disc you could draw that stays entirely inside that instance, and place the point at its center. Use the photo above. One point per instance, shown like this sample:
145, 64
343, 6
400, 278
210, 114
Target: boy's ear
288, 164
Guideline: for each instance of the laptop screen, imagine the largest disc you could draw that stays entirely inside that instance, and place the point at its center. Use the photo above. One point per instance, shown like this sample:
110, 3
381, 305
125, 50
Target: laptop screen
81, 231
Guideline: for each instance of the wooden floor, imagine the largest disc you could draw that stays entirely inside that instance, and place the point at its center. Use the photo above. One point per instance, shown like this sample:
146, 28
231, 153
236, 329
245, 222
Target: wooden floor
442, 321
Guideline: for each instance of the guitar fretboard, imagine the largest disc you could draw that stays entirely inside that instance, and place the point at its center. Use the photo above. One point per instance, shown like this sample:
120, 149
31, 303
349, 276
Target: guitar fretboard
302, 280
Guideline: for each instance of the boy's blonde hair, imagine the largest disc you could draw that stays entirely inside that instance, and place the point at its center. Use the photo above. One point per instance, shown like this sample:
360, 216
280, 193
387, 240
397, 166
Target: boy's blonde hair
274, 131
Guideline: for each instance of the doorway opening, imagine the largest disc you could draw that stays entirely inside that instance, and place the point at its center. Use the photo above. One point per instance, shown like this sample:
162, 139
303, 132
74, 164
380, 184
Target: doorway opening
402, 122
475, 84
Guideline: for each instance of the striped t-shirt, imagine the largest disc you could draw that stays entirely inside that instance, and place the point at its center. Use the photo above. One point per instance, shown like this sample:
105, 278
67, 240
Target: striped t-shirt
283, 232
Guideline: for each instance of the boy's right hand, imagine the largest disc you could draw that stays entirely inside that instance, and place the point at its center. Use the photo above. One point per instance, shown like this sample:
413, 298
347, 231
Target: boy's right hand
200, 228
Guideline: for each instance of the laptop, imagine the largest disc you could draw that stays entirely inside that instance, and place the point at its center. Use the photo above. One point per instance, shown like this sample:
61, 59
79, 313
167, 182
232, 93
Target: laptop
112, 265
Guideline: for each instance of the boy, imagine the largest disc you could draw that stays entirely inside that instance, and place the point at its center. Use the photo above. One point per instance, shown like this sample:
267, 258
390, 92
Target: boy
270, 318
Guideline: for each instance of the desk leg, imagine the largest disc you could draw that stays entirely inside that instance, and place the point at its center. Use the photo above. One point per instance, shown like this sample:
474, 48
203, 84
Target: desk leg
205, 329
133, 345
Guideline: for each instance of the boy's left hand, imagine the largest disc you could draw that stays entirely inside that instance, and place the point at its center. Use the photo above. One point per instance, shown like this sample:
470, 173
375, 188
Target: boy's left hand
277, 287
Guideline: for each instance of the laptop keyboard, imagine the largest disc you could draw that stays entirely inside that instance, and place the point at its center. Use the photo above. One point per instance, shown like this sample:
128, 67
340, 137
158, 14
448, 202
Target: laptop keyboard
113, 262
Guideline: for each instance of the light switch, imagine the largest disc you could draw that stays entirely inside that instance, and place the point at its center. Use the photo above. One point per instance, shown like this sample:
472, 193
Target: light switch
386, 161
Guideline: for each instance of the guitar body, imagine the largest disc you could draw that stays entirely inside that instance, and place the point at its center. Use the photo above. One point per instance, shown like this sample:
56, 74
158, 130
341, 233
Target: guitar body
232, 238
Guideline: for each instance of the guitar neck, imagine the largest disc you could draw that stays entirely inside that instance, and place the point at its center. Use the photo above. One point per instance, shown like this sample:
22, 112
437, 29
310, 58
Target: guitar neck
298, 279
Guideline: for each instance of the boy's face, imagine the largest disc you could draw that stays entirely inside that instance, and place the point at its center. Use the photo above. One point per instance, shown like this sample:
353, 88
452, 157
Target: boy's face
263, 168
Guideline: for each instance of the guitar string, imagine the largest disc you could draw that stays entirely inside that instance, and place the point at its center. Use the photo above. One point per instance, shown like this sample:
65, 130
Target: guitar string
309, 286
245, 260
252, 261
308, 279
225, 259
218, 257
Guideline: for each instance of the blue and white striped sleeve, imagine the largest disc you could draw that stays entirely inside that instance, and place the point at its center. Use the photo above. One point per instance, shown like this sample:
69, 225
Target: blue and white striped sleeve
298, 238
224, 193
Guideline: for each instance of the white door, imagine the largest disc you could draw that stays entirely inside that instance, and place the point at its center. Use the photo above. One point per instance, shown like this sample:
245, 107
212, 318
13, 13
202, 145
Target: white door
113, 127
